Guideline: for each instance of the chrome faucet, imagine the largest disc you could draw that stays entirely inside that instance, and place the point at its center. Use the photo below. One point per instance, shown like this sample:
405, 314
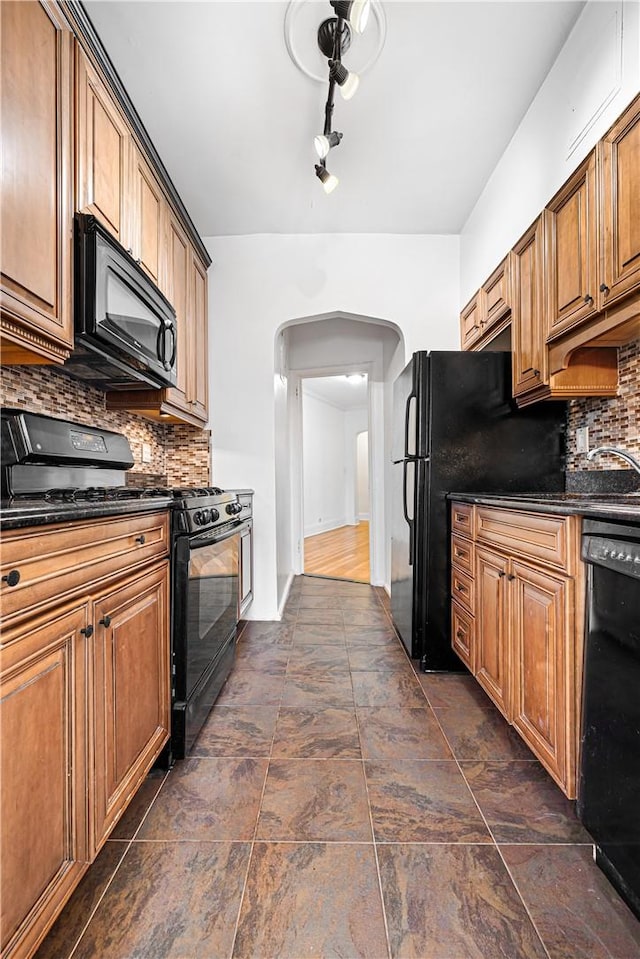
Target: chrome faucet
621, 453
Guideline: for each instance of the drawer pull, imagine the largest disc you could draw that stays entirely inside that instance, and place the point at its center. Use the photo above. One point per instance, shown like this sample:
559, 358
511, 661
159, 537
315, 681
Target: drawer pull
460, 635
87, 631
106, 621
12, 578
140, 539
461, 588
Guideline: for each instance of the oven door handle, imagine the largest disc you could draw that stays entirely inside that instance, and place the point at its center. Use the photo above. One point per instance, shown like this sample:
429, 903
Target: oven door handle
214, 540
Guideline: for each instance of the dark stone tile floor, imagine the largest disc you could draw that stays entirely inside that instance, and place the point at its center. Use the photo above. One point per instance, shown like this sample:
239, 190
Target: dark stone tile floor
337, 803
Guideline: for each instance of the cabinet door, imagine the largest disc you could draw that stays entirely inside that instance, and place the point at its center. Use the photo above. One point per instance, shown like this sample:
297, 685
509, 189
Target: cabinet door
542, 682
199, 324
620, 199
492, 652
147, 217
176, 283
462, 636
131, 673
103, 143
37, 203
529, 347
470, 328
496, 296
44, 774
571, 251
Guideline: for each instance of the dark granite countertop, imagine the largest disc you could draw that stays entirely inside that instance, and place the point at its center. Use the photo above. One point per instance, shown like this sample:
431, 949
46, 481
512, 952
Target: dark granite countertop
39, 514
612, 506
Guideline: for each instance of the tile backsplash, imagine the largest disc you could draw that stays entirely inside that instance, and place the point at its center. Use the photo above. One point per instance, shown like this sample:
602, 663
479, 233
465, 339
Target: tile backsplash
181, 454
611, 422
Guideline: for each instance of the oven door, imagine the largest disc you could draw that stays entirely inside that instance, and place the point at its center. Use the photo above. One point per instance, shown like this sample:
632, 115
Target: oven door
205, 615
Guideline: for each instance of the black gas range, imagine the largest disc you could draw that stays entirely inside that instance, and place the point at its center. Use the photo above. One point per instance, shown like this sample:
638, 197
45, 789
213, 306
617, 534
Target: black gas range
57, 471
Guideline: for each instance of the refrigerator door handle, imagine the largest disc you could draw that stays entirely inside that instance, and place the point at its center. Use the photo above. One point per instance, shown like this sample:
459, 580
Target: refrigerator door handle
412, 398
405, 510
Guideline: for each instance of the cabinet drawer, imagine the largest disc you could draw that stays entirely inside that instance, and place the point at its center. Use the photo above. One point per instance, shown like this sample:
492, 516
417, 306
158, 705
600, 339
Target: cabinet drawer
462, 588
56, 563
462, 554
534, 535
462, 635
462, 519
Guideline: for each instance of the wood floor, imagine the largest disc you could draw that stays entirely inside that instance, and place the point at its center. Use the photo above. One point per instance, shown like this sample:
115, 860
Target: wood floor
341, 553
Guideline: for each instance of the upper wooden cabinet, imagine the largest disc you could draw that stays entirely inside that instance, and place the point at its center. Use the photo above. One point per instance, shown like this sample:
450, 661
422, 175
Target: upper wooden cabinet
529, 353
570, 222
487, 313
587, 372
37, 174
147, 218
573, 280
619, 156
103, 142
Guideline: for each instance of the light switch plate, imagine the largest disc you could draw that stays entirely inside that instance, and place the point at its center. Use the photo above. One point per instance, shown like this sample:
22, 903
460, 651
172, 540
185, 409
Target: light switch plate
582, 439
146, 453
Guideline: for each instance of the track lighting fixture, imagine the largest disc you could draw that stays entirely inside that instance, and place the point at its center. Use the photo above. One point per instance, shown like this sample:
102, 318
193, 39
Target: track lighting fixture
348, 82
328, 180
325, 143
334, 38
356, 13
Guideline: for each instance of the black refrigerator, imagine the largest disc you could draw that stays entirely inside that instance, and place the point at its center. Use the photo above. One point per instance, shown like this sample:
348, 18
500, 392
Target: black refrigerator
456, 428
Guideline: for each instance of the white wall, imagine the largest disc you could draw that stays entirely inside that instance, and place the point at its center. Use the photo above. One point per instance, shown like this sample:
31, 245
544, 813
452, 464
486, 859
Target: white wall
594, 78
362, 475
256, 284
324, 465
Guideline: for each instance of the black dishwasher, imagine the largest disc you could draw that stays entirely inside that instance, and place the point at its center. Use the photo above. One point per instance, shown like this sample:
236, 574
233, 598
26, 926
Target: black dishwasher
609, 784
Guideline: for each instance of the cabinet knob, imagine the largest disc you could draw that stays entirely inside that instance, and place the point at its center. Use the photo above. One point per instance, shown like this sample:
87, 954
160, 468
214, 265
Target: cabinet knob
139, 259
141, 539
501, 573
106, 621
510, 577
87, 631
459, 634
12, 578
588, 298
129, 249
604, 288
531, 369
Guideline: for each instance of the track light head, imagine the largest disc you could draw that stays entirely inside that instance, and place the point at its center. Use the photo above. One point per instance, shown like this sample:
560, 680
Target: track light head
355, 12
326, 142
328, 180
348, 82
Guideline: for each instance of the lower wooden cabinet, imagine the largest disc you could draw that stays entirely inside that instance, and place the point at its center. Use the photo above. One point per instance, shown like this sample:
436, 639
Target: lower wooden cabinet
492, 659
522, 636
84, 713
44, 717
131, 682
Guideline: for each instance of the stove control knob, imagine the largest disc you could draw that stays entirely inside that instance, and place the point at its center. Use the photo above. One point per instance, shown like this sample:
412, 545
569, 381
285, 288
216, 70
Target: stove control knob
233, 508
215, 515
201, 516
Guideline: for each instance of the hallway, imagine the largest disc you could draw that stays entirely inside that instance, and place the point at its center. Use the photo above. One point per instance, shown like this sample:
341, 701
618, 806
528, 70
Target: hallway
341, 553
338, 805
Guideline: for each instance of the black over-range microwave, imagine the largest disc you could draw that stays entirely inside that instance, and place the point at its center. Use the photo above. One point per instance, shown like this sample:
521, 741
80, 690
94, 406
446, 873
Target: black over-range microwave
125, 329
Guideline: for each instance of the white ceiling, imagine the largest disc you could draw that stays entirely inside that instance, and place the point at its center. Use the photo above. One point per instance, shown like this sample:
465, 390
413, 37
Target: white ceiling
234, 119
343, 393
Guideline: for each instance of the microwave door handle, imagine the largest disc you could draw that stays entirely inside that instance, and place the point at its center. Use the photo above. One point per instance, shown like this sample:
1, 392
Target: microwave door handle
174, 342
